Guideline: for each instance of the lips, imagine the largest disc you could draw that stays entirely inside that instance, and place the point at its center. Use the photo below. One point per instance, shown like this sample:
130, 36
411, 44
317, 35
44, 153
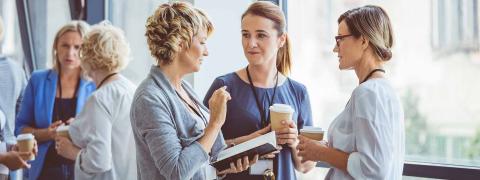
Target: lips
69, 60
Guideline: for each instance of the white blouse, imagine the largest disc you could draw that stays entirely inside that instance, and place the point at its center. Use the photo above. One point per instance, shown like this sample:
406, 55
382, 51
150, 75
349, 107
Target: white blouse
103, 132
371, 129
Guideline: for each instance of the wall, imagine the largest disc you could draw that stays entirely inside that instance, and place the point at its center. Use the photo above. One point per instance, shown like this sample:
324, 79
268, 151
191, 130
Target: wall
224, 46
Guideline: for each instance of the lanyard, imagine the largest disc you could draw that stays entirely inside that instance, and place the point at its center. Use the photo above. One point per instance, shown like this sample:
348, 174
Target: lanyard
257, 99
59, 111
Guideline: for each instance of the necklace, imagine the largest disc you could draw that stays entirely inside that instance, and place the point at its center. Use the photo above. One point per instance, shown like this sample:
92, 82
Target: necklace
371, 73
104, 79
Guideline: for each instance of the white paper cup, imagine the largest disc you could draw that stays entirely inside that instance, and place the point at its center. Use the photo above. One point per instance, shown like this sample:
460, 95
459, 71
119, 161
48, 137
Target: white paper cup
63, 131
26, 143
279, 112
311, 132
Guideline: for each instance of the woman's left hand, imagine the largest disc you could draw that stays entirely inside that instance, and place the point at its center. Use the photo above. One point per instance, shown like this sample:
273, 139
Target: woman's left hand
242, 164
66, 148
309, 149
288, 135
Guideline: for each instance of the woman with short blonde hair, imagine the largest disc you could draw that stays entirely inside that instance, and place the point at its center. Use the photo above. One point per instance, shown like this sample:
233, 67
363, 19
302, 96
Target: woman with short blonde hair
107, 152
176, 136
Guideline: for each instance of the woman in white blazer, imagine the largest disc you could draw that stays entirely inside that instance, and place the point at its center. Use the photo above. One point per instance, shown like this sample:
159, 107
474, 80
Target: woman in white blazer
103, 146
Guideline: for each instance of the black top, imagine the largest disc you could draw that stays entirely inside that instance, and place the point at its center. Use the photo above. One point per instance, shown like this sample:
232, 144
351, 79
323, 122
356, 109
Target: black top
63, 110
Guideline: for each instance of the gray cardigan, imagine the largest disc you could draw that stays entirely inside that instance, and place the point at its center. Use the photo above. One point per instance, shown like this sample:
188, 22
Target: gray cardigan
166, 133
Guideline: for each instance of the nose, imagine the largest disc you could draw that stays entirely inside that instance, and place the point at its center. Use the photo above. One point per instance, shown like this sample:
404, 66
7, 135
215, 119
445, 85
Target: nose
72, 52
335, 48
252, 43
205, 52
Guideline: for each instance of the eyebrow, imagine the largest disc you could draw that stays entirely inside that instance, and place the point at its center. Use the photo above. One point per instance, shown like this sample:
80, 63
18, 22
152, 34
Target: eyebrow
258, 31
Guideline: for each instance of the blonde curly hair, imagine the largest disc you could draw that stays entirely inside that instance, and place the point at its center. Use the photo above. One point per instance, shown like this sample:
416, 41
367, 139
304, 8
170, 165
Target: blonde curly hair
171, 26
104, 48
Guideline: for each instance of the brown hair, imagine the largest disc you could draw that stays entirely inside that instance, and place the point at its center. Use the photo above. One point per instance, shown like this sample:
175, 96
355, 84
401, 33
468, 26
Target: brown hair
274, 13
373, 23
171, 25
80, 27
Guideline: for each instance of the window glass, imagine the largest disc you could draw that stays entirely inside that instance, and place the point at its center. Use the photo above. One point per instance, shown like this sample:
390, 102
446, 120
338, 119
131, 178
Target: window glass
11, 45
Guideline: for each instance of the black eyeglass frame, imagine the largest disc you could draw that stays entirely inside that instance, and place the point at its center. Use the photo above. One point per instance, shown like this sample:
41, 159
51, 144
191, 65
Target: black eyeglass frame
340, 37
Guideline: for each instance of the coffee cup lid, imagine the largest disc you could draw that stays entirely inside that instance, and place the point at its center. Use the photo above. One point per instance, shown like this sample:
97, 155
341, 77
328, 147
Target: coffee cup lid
283, 108
63, 128
25, 136
311, 129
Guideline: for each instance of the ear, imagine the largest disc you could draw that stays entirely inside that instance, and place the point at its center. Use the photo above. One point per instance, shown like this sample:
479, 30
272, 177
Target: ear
365, 42
282, 39
182, 45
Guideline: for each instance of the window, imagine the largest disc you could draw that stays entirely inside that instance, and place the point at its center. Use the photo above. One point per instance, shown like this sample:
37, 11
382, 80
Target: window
455, 26
11, 45
439, 93
45, 18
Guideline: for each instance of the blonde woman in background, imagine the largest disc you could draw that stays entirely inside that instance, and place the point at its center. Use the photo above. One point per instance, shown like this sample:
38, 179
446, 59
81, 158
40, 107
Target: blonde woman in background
51, 98
103, 145
367, 140
176, 136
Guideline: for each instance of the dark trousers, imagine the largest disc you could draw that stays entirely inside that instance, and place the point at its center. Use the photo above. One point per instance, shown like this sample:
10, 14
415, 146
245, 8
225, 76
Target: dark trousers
57, 172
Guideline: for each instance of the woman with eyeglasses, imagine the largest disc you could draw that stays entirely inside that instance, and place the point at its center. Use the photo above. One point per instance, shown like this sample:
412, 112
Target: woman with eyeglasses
367, 139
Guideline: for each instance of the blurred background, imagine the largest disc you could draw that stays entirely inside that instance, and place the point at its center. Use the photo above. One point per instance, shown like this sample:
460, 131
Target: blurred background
435, 66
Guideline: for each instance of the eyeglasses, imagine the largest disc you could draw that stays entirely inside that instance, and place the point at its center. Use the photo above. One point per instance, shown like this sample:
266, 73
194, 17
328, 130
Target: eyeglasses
339, 38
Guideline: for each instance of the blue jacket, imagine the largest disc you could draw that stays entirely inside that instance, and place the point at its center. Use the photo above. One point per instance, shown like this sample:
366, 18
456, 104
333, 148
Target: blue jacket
37, 108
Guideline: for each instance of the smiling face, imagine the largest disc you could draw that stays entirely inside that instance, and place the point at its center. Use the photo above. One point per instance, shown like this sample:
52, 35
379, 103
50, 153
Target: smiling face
349, 49
191, 58
67, 50
260, 40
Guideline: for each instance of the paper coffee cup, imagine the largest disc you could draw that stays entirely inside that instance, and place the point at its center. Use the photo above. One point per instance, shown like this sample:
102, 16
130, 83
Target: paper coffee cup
63, 131
278, 113
311, 132
26, 143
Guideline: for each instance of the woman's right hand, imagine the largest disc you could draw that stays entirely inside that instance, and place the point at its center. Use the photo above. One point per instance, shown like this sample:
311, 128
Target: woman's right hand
13, 159
218, 106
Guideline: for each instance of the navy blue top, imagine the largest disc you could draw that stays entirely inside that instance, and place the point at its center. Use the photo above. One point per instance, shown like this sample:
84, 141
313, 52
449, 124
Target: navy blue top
243, 116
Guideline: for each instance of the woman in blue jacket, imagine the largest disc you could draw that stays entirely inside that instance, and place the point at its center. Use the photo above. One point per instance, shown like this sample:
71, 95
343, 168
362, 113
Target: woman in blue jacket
52, 98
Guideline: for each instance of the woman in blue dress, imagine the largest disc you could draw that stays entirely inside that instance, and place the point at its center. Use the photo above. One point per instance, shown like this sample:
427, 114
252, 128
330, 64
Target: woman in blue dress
261, 84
